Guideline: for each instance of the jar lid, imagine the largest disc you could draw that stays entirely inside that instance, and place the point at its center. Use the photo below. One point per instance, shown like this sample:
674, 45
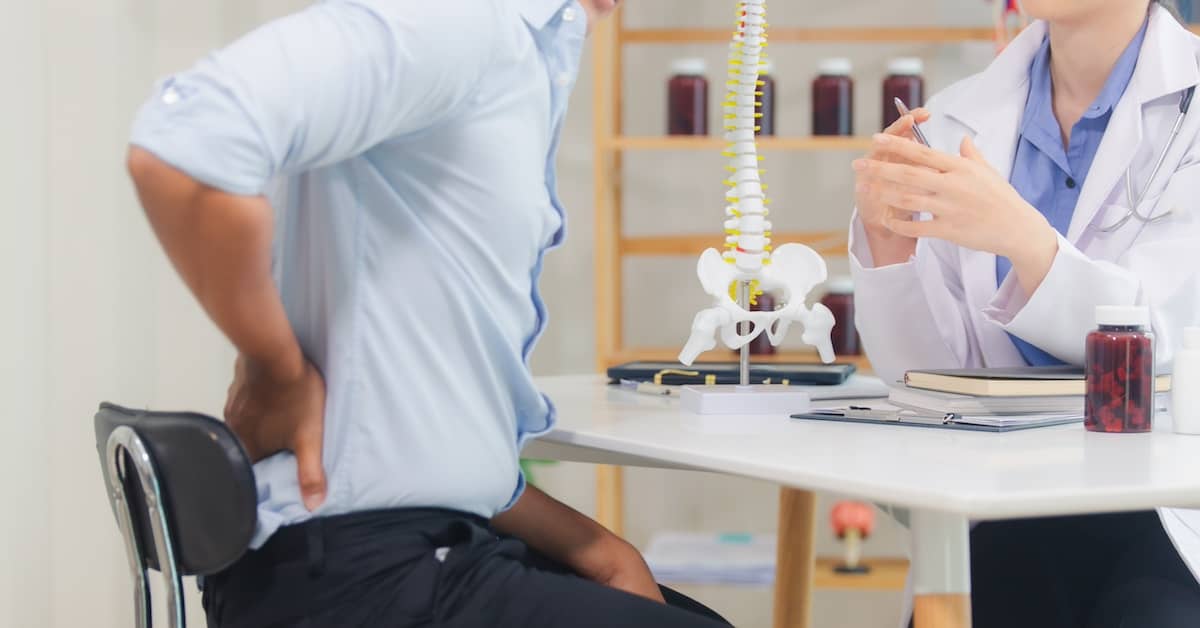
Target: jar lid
840, 285
691, 66
836, 66
1123, 315
906, 66
1191, 338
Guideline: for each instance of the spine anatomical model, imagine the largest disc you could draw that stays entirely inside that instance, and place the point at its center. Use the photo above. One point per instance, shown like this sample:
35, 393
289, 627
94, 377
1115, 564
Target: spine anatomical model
748, 266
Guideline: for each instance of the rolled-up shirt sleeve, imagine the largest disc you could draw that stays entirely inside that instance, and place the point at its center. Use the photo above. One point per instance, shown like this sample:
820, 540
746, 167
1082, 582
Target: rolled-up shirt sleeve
315, 88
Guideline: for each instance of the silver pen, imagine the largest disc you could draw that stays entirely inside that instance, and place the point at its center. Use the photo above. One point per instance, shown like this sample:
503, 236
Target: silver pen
916, 129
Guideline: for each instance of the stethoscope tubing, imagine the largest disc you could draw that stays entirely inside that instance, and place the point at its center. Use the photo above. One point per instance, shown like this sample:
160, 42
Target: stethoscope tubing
1185, 103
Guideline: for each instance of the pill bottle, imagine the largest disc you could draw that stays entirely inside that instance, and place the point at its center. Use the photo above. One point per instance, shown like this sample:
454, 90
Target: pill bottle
833, 98
904, 82
1185, 384
766, 106
687, 98
839, 298
1119, 363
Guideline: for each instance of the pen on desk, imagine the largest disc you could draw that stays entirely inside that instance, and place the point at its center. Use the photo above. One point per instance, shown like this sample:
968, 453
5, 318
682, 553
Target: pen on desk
916, 128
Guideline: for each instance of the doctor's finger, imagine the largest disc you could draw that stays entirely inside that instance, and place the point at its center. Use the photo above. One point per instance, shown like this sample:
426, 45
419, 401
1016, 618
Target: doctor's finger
899, 150
904, 174
912, 228
910, 201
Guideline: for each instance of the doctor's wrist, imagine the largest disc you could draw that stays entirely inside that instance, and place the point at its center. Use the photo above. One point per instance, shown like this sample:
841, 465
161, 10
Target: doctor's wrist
1032, 252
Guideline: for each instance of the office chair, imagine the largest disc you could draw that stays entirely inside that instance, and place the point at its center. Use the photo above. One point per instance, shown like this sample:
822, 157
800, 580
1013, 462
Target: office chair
182, 489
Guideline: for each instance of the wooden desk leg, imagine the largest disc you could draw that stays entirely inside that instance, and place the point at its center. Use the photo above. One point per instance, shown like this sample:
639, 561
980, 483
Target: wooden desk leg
942, 611
610, 498
795, 563
941, 570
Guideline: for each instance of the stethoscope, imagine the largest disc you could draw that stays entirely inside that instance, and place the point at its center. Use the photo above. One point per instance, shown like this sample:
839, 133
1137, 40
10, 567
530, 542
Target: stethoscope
1184, 104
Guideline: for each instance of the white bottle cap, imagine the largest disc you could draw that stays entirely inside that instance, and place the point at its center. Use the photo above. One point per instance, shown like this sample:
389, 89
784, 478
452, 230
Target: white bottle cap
1123, 315
1191, 338
691, 66
906, 66
837, 66
840, 285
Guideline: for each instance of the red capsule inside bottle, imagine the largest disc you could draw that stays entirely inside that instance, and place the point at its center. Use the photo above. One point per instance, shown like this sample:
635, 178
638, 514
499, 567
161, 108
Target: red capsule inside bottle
1120, 380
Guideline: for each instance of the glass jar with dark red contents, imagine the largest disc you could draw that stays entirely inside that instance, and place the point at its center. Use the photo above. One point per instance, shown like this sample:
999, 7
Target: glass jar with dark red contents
1120, 371
833, 99
839, 298
904, 82
766, 102
687, 98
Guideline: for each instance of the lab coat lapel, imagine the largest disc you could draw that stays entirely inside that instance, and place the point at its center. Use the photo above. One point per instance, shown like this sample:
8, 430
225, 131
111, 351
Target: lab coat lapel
1166, 66
992, 115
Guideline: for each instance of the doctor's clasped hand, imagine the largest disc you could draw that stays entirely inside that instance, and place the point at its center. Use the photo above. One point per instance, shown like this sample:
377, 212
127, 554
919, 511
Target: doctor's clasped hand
968, 202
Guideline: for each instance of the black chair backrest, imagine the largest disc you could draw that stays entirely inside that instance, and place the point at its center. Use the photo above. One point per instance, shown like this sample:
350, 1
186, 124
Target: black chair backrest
205, 479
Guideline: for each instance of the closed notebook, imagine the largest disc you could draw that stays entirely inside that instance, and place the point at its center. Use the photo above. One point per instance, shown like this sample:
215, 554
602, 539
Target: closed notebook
952, 403
1033, 381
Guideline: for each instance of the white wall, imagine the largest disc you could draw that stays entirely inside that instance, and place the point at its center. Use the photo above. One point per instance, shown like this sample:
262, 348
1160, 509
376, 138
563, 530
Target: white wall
92, 311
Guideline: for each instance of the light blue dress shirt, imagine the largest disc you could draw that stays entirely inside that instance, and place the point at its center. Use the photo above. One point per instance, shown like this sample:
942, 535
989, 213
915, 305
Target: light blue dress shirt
408, 148
1049, 176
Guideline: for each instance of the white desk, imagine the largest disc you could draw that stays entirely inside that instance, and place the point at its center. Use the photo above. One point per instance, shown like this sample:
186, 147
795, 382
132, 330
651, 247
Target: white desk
945, 477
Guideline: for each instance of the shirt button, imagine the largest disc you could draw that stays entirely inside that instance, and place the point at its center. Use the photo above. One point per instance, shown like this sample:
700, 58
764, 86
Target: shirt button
568, 14
563, 79
1070, 183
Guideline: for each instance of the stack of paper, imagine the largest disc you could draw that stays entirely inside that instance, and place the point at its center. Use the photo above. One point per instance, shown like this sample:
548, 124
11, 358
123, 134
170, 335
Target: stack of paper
705, 558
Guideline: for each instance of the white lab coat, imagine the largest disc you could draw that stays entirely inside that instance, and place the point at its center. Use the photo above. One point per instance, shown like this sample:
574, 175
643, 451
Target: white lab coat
943, 308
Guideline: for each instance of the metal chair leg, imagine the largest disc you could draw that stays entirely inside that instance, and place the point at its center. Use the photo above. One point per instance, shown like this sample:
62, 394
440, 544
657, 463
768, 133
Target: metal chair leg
125, 440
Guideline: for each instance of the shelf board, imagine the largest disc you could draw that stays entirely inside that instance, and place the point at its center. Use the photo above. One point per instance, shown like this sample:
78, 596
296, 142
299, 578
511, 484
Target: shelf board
645, 354
887, 574
900, 34
716, 144
806, 35
827, 243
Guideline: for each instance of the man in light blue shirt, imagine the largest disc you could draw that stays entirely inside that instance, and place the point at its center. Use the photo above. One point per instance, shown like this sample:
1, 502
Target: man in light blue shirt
361, 195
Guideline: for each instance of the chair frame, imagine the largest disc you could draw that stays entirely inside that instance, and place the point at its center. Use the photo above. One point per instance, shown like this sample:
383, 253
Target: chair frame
125, 440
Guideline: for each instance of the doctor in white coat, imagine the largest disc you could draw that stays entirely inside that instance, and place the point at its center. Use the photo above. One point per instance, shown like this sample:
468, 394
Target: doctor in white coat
1041, 199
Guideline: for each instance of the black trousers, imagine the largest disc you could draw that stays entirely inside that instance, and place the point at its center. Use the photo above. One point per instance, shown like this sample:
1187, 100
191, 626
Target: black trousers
421, 568
1097, 571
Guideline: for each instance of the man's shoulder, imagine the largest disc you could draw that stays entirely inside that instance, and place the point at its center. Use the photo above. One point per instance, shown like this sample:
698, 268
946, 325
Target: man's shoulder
455, 19
464, 31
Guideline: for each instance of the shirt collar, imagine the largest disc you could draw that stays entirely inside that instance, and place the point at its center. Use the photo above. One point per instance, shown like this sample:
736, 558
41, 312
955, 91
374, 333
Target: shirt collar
1039, 111
538, 13
1118, 79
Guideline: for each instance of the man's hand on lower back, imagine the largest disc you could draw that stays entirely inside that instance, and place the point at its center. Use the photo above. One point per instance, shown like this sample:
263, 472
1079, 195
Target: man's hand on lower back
281, 409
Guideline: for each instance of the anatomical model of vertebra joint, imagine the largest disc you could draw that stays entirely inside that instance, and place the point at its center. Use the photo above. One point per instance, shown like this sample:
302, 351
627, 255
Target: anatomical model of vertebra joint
748, 263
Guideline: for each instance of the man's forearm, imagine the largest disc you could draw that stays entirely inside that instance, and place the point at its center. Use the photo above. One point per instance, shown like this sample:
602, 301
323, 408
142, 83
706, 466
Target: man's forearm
221, 245
555, 529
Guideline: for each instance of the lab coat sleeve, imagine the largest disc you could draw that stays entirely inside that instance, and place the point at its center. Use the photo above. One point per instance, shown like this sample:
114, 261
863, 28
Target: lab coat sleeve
317, 87
910, 315
1160, 269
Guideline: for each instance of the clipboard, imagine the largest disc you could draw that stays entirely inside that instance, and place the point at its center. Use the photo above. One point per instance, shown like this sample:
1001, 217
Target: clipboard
911, 418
